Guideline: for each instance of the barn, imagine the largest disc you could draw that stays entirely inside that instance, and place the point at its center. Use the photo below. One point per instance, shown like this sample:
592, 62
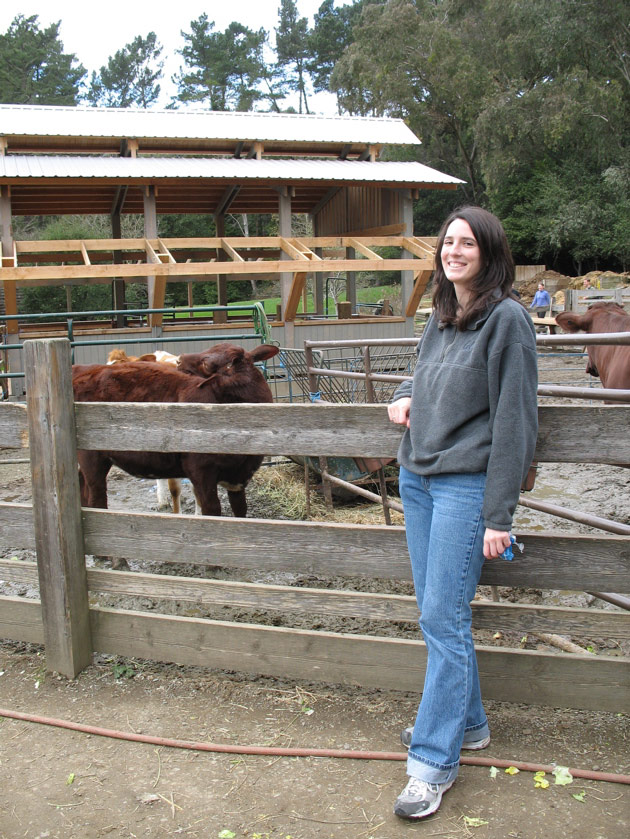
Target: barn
58, 160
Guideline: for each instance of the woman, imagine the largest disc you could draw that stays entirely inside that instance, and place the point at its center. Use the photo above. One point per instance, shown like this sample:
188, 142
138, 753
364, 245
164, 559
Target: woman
471, 420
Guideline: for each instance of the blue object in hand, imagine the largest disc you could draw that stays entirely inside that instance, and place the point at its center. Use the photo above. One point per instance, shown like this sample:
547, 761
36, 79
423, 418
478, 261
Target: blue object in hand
508, 553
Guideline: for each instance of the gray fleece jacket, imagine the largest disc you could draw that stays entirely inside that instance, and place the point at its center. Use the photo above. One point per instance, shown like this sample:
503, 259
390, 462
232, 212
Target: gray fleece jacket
473, 405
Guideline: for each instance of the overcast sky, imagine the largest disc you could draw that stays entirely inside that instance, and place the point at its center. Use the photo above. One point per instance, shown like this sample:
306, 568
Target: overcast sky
94, 32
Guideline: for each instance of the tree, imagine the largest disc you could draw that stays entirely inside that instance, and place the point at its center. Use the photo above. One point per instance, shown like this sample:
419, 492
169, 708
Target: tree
293, 49
330, 36
418, 61
34, 70
130, 76
223, 69
526, 102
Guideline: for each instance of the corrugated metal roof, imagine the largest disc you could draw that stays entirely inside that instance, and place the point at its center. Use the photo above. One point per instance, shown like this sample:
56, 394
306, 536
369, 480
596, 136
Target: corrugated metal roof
231, 169
57, 121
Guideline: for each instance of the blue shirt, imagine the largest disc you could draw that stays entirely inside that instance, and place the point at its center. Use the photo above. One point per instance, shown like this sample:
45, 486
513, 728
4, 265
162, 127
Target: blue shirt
541, 300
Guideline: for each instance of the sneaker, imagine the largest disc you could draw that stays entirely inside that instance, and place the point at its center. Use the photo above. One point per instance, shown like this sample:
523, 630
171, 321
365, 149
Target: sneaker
420, 799
471, 745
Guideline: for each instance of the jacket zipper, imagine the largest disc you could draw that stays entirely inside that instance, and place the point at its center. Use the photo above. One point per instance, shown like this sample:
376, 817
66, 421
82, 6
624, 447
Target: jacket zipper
448, 346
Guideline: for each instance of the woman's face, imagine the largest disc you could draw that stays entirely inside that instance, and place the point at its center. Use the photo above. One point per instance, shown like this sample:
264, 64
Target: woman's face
461, 258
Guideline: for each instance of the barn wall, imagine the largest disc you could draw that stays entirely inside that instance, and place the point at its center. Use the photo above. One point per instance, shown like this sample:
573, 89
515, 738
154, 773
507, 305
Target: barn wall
357, 208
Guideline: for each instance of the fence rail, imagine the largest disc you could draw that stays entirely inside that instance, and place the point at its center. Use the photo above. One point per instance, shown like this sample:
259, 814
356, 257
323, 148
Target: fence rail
61, 533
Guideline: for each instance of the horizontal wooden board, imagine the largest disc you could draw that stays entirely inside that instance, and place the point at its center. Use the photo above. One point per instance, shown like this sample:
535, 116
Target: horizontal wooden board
21, 620
274, 429
585, 682
396, 608
550, 560
16, 526
13, 426
332, 430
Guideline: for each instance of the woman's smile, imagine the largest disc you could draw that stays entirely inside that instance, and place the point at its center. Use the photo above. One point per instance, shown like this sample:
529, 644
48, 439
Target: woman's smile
461, 257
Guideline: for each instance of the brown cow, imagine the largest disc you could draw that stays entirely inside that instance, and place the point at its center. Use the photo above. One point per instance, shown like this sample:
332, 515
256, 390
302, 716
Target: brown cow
231, 376
610, 362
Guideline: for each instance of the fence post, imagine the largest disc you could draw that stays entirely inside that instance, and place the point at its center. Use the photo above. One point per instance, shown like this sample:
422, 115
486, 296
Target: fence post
57, 505
570, 300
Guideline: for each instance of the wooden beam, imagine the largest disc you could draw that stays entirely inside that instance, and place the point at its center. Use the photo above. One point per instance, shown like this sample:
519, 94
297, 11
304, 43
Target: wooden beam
418, 247
226, 199
227, 247
164, 254
356, 244
295, 293
256, 150
421, 282
345, 151
291, 250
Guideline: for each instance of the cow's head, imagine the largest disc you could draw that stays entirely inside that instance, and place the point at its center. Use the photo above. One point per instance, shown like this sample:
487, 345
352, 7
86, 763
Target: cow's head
599, 317
595, 319
229, 367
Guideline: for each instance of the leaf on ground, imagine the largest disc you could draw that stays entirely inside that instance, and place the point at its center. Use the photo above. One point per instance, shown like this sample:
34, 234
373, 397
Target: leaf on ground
227, 834
471, 821
512, 770
148, 798
493, 771
540, 782
579, 796
70, 779
563, 775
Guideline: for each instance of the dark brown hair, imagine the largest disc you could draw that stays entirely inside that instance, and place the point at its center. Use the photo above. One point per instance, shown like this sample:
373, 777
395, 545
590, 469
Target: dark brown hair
493, 283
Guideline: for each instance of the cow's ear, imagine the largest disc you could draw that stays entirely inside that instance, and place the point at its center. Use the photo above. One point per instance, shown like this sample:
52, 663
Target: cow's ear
263, 352
206, 381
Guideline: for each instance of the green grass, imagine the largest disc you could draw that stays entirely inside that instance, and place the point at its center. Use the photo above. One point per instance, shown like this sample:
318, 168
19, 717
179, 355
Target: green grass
370, 294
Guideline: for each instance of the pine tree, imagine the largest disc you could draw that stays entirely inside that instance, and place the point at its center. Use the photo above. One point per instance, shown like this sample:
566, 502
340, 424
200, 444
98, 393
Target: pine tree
293, 49
34, 70
130, 76
222, 69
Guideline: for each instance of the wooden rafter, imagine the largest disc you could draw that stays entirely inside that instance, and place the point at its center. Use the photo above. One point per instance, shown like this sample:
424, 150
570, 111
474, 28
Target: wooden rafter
421, 281
299, 253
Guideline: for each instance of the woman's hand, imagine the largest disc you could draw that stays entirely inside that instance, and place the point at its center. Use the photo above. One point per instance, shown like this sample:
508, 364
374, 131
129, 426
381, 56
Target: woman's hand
398, 411
494, 542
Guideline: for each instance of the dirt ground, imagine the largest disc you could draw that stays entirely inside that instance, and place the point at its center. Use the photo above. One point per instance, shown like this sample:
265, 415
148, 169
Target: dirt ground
58, 783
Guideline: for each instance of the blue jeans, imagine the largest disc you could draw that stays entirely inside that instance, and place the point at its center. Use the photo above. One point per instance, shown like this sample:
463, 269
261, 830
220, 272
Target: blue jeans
445, 531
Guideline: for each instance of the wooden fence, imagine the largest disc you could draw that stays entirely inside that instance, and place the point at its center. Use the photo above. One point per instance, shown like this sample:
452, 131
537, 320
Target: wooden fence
62, 533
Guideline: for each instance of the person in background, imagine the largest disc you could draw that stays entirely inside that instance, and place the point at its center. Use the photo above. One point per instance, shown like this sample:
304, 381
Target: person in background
541, 301
471, 424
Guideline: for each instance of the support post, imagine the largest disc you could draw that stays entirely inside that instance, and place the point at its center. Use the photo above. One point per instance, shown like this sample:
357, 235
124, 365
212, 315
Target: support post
156, 285
118, 286
351, 281
220, 317
286, 279
319, 288
57, 506
6, 252
406, 277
